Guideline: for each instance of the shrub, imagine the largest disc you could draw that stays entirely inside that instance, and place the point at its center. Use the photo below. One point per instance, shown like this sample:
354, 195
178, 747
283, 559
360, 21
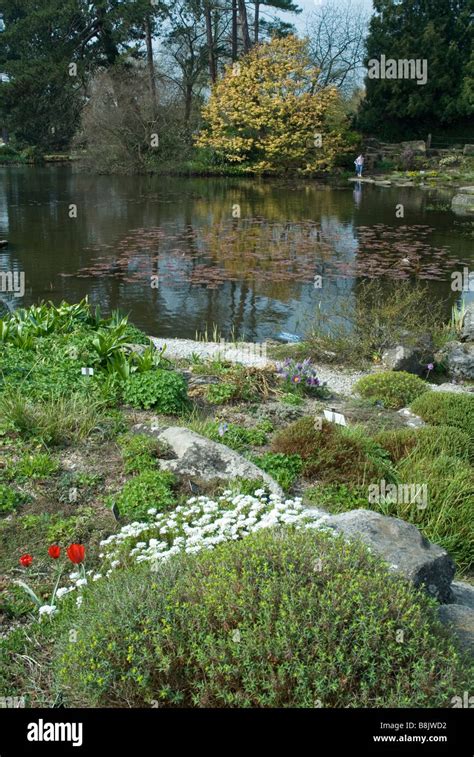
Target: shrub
139, 494
428, 441
334, 453
285, 469
393, 389
165, 391
447, 409
9, 499
448, 518
220, 394
279, 619
139, 452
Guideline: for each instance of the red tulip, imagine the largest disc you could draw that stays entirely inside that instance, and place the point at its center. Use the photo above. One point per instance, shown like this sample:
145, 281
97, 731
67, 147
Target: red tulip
26, 560
54, 551
76, 553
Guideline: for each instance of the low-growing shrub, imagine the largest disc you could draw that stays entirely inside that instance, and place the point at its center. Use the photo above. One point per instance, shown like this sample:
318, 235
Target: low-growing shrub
139, 494
232, 435
139, 452
428, 441
280, 619
334, 453
164, 391
285, 469
9, 499
447, 409
448, 518
393, 389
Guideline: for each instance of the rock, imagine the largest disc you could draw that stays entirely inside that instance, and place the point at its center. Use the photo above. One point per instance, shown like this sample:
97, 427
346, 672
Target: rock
468, 150
466, 190
410, 418
458, 357
463, 594
402, 546
204, 460
450, 387
410, 358
416, 145
463, 203
461, 621
467, 333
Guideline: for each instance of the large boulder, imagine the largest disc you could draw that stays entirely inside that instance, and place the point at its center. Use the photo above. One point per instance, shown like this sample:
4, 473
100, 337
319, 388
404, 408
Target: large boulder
402, 546
202, 460
458, 357
460, 620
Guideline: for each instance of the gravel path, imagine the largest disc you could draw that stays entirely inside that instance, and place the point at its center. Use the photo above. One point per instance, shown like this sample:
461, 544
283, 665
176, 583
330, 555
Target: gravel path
247, 353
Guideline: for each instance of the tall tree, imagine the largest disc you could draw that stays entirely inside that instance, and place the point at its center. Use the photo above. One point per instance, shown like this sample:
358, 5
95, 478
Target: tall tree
280, 5
47, 49
438, 31
337, 35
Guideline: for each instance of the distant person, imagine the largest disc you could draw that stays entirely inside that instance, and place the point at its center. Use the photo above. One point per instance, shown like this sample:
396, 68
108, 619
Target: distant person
359, 164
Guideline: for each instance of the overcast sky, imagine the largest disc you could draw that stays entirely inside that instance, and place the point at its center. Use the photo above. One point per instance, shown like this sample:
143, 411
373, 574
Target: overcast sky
309, 5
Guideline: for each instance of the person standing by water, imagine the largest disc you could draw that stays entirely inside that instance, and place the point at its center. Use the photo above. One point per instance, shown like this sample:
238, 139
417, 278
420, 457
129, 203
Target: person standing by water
359, 164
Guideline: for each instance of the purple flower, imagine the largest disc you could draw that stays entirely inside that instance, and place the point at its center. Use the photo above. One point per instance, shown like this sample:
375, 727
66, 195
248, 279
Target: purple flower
430, 366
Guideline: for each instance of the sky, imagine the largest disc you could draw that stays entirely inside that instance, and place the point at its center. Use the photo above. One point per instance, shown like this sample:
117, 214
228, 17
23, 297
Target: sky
309, 5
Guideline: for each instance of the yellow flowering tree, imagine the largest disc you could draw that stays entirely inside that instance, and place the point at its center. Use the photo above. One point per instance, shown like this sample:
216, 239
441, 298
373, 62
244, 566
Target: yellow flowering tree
268, 111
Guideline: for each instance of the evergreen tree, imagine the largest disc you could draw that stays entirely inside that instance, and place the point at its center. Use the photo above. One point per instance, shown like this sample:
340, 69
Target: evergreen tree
438, 31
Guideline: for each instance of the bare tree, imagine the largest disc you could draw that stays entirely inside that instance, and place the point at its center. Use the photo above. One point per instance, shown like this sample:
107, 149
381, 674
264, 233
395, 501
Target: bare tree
337, 33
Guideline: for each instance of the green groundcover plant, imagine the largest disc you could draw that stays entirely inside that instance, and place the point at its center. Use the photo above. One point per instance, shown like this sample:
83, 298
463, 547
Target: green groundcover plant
447, 408
393, 389
428, 441
282, 618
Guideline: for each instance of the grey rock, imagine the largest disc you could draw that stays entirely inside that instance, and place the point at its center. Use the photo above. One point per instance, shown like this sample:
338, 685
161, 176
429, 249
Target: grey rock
403, 547
416, 145
458, 358
410, 418
203, 460
410, 358
463, 204
463, 593
468, 150
460, 620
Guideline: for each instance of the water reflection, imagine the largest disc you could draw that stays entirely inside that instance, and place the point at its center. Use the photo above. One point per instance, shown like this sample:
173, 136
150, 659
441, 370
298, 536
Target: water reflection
242, 254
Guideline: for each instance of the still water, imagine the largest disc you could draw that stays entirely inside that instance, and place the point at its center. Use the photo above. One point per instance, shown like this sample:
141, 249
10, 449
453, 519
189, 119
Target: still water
254, 257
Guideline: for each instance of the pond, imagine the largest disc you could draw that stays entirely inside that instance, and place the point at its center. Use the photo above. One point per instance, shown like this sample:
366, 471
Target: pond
254, 257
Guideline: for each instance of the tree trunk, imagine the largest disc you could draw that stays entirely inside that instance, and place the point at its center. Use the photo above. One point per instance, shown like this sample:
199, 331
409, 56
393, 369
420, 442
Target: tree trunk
188, 102
244, 25
210, 42
151, 68
257, 21
235, 51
